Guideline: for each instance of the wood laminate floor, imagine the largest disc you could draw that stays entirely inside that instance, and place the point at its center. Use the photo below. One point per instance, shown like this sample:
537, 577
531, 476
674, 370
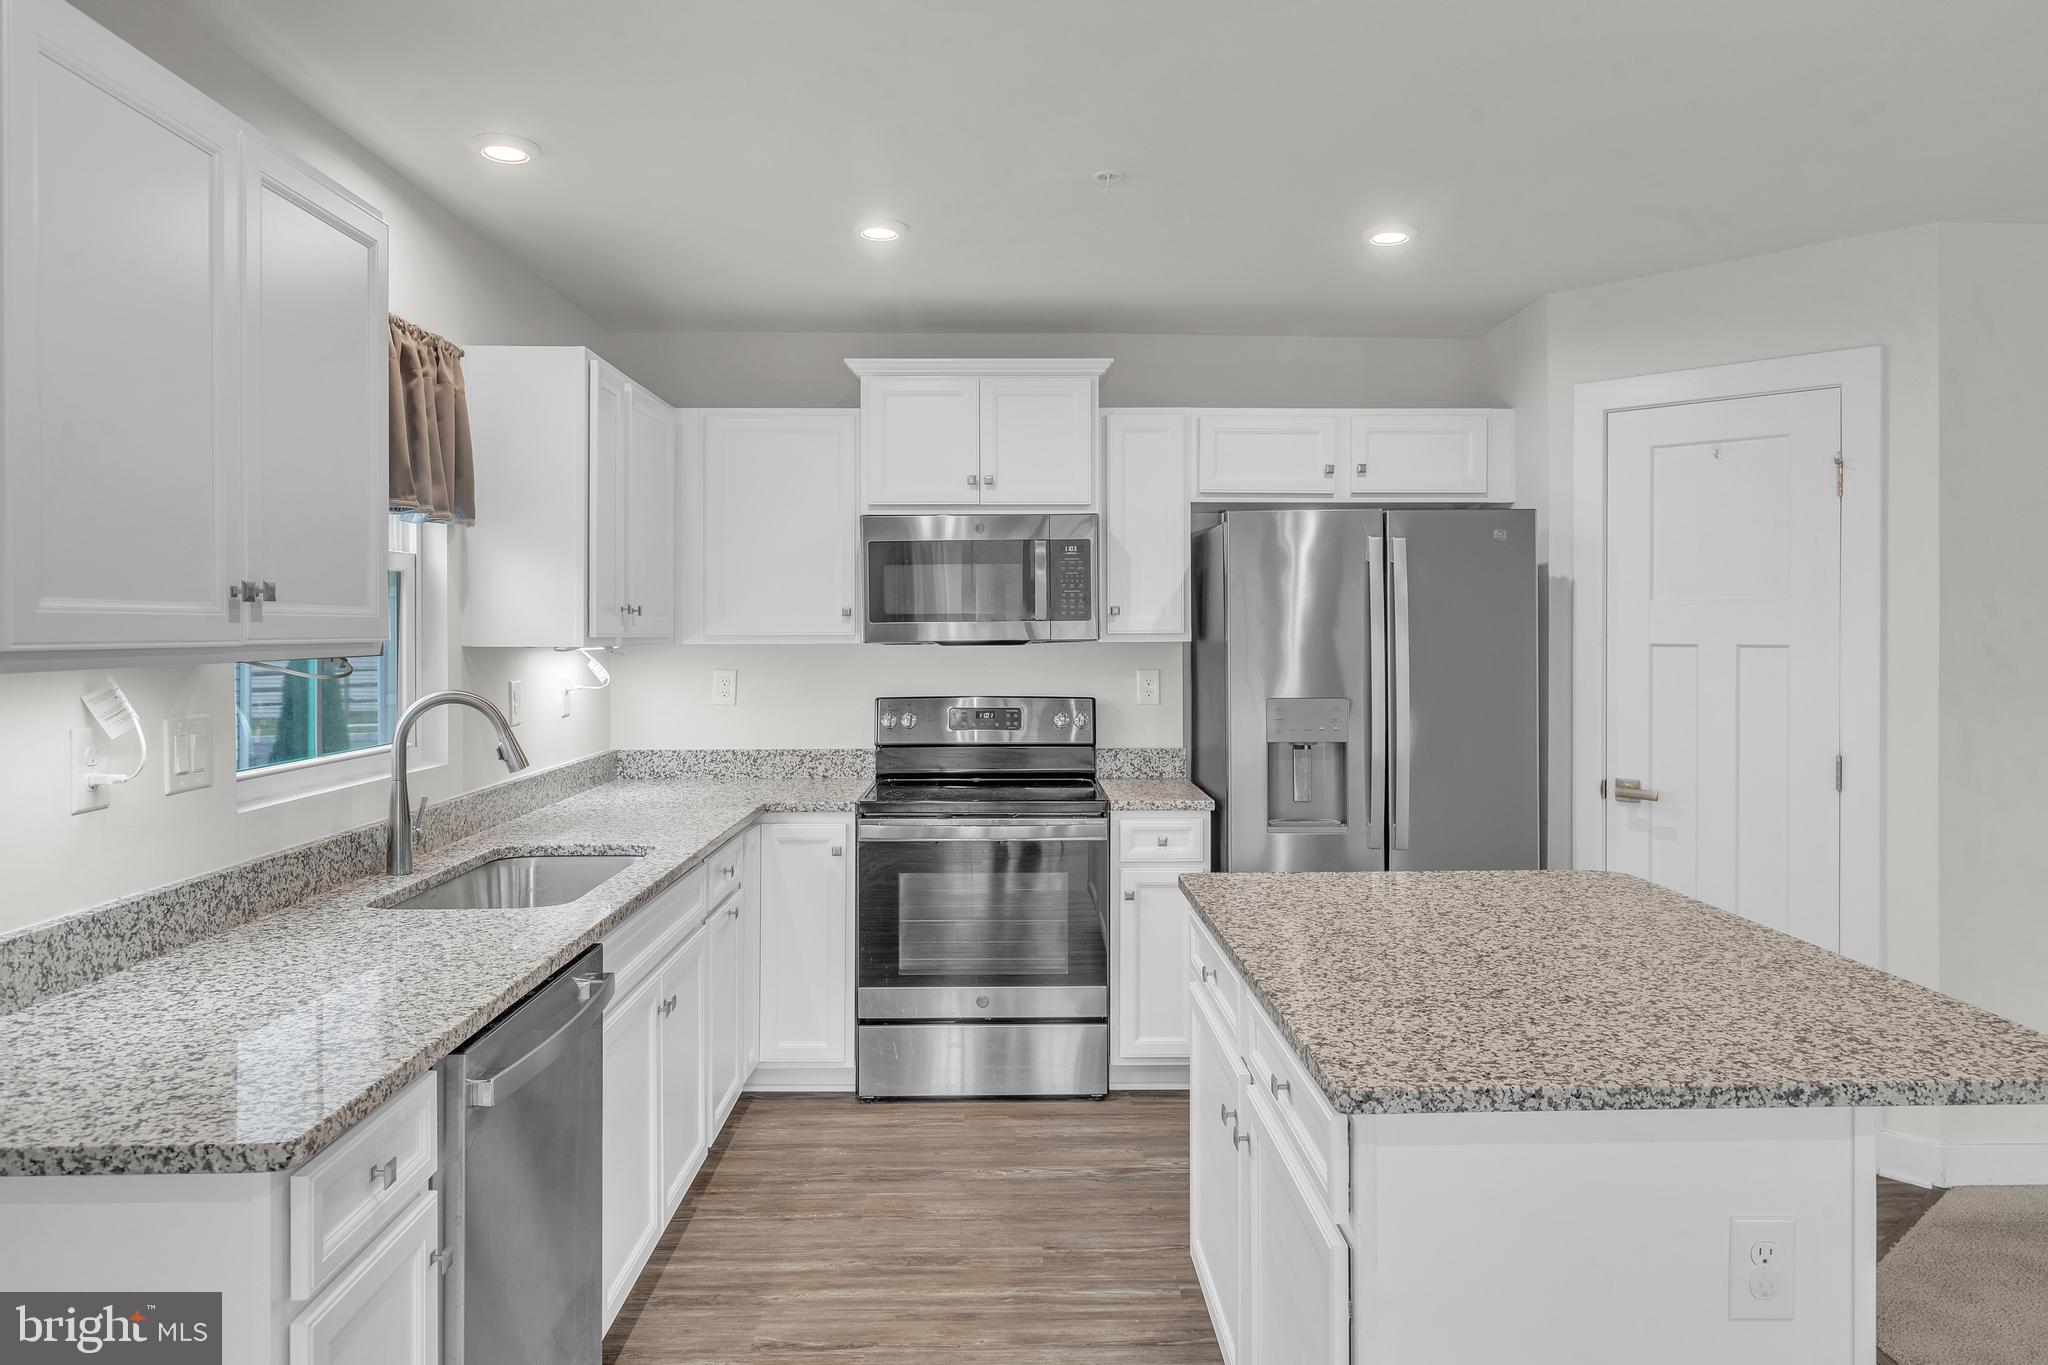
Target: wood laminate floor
822, 1229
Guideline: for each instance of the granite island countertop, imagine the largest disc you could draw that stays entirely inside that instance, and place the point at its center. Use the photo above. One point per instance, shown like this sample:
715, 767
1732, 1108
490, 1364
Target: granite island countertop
252, 1049
1448, 992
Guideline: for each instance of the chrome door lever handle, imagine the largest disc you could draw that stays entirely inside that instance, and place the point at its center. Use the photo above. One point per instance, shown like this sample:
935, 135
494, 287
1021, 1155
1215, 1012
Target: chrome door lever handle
1629, 789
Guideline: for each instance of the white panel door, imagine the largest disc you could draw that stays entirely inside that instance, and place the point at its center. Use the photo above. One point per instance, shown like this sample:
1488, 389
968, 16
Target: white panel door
1269, 454
119, 459
806, 945
1151, 966
921, 440
1298, 1294
1216, 1185
726, 990
1038, 441
1723, 664
385, 1308
1147, 524
632, 1209
315, 399
781, 517
649, 517
1417, 454
685, 1010
607, 547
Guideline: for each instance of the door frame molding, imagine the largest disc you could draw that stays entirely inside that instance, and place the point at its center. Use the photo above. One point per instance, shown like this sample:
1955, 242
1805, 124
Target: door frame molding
1858, 375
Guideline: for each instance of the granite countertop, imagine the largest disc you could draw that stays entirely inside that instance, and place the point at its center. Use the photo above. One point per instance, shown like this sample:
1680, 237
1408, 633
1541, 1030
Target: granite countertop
253, 1048
1154, 793
1444, 992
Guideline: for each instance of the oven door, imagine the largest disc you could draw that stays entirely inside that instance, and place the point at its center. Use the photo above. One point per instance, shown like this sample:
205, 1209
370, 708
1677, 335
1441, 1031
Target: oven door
968, 921
978, 580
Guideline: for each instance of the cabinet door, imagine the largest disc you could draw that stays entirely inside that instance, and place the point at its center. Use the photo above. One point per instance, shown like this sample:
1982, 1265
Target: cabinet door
315, 389
120, 471
1216, 1187
1038, 441
1298, 1298
921, 440
607, 534
1147, 524
1273, 454
781, 514
806, 945
385, 1309
685, 1011
750, 960
1151, 965
1417, 454
727, 1030
632, 1206
649, 517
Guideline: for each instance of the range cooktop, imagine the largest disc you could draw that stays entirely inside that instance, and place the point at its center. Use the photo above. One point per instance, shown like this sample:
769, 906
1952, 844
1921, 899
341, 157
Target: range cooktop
1076, 797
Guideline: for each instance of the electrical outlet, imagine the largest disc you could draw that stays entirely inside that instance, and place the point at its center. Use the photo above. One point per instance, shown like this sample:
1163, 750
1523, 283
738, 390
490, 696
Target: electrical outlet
568, 692
1148, 687
88, 755
187, 753
1761, 1263
725, 687
512, 702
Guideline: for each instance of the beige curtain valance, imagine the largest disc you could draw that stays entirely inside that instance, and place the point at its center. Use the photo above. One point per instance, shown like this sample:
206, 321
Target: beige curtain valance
433, 477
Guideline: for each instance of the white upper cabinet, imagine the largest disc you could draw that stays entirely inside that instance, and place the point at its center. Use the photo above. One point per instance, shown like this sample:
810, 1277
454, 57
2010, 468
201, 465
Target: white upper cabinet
1380, 455
575, 538
1274, 453
781, 511
314, 391
1146, 524
177, 413
972, 433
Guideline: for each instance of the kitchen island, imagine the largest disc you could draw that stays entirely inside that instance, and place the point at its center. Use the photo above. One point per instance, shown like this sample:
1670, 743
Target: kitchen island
1451, 1117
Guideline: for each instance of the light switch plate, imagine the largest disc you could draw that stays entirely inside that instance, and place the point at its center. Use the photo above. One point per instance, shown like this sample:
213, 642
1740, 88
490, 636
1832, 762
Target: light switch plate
512, 690
187, 753
88, 754
1761, 1260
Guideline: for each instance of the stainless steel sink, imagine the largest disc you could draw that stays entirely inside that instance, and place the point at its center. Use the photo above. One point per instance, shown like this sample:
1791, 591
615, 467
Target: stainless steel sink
520, 883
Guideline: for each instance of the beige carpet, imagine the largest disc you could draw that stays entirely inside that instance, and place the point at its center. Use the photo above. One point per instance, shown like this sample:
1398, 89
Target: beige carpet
1968, 1285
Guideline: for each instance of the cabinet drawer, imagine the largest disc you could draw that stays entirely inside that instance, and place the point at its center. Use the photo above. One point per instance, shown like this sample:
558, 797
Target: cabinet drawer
345, 1196
1213, 977
1318, 1134
636, 947
1164, 839
725, 871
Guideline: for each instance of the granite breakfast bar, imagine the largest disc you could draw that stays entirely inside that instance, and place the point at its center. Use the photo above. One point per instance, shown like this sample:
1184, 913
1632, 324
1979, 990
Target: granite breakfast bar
1453, 1117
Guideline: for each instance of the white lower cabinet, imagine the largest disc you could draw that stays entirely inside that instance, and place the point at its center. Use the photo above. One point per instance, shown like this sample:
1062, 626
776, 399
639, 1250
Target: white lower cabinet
632, 1213
1149, 943
1297, 1299
1216, 1083
726, 1026
685, 1012
806, 955
385, 1309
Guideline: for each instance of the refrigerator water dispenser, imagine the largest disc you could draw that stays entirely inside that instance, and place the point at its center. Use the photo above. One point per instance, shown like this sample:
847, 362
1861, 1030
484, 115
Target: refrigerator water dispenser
1306, 744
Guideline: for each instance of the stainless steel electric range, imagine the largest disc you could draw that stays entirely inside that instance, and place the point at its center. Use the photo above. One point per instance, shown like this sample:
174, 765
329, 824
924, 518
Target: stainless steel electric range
984, 901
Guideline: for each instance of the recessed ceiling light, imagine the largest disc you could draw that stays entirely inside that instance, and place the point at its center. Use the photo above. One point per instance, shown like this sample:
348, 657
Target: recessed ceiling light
505, 149
1392, 234
881, 230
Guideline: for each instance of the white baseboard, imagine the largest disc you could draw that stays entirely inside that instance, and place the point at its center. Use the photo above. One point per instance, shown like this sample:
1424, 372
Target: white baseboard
1148, 1076
1945, 1165
773, 1079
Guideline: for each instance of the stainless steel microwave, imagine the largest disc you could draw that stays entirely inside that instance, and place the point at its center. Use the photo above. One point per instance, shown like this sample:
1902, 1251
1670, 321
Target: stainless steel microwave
974, 580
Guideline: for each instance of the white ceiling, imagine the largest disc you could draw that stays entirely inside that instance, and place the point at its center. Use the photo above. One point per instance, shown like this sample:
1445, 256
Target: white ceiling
705, 161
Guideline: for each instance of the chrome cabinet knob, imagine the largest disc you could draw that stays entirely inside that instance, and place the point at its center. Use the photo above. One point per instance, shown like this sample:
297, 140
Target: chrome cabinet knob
269, 591
1362, 468
1226, 1113
988, 481
735, 911
838, 850
846, 611
1116, 611
1162, 841
1241, 1139
974, 480
1281, 1087
385, 1172
1329, 471
1130, 895
1208, 973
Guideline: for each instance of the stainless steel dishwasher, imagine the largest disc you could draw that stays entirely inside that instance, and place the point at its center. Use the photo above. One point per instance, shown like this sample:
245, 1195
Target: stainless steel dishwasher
522, 1105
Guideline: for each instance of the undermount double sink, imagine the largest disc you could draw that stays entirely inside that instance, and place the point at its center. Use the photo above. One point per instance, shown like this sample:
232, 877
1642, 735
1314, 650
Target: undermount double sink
521, 883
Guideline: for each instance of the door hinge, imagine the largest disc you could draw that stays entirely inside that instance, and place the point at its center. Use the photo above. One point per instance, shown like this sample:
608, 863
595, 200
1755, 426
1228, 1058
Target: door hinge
1840, 473
1838, 772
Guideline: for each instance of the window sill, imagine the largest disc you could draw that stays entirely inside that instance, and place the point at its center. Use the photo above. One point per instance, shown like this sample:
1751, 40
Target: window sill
261, 789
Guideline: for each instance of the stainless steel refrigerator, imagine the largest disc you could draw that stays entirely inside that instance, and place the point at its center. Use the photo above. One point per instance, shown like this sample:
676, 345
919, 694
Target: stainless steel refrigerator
1363, 688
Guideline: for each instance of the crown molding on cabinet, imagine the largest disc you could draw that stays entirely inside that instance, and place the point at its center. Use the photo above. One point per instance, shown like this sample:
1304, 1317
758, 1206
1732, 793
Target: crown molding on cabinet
872, 368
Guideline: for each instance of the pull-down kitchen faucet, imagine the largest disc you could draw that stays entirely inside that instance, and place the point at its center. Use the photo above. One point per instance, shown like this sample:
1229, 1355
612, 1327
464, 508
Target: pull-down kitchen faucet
398, 854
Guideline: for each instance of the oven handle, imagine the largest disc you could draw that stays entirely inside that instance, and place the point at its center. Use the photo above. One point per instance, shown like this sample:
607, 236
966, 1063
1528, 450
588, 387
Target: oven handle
982, 831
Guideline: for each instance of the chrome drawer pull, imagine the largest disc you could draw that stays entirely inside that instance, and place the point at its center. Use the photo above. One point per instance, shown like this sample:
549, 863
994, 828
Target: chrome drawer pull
1226, 1113
1281, 1087
385, 1172
1240, 1138
1208, 973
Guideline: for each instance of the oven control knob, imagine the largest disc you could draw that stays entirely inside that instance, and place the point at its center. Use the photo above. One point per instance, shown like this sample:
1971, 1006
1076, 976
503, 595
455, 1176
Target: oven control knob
910, 720
888, 720
1080, 719
1060, 721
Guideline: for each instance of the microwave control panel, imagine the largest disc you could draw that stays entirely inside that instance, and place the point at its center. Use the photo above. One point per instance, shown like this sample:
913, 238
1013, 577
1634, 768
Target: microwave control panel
1073, 581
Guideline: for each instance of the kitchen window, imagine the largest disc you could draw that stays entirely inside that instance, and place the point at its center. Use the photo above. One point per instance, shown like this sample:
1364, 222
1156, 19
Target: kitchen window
295, 735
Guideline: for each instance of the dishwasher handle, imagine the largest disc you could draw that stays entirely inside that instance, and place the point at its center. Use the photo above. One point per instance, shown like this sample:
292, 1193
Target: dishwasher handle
502, 1084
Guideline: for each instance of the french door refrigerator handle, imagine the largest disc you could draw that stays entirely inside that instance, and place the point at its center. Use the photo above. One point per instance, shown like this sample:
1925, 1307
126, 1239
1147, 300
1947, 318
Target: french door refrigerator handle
1404, 703
1376, 689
